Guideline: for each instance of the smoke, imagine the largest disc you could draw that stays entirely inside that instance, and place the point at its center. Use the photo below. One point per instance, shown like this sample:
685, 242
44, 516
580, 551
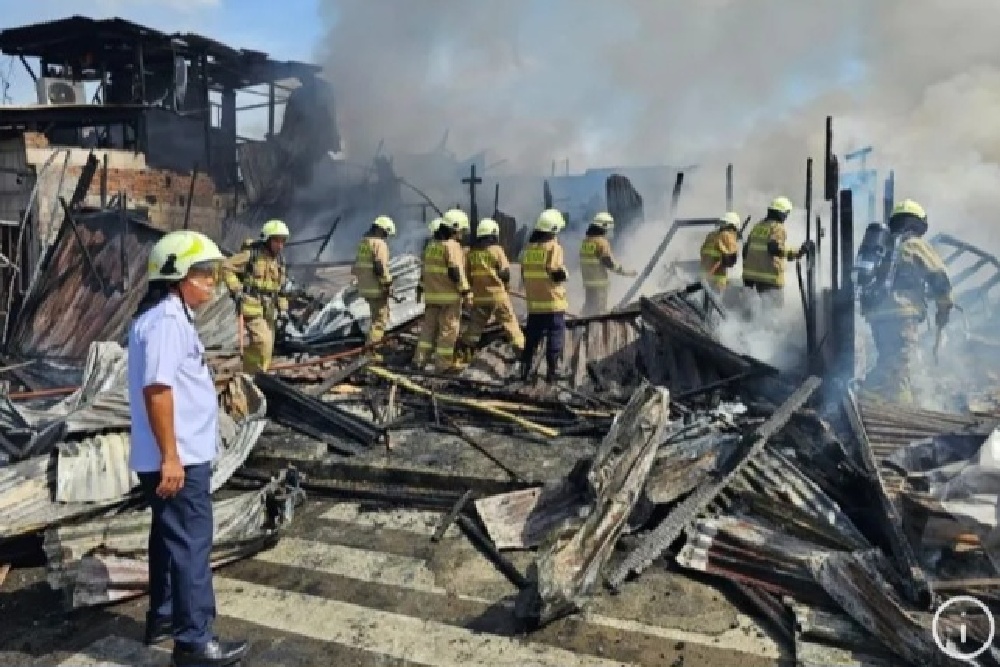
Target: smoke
672, 82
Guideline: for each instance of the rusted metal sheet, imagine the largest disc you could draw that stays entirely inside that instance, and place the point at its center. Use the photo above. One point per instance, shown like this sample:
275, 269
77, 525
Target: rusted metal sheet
570, 561
829, 639
105, 560
67, 309
522, 519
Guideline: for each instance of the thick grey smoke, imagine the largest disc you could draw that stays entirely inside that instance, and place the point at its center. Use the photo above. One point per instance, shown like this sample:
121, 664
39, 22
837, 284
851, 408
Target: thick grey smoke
635, 82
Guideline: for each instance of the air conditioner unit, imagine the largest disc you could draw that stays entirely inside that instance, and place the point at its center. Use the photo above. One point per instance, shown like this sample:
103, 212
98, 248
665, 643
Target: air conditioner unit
61, 91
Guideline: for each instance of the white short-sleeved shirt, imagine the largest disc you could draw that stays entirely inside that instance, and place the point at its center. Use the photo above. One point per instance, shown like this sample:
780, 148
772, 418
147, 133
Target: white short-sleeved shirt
164, 348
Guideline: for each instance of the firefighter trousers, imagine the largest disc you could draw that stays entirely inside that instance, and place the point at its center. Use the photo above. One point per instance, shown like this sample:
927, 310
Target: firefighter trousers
552, 327
379, 308
500, 311
438, 334
259, 345
896, 347
772, 296
595, 301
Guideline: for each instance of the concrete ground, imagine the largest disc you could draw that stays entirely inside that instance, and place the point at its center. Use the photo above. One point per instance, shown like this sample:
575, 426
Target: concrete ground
347, 586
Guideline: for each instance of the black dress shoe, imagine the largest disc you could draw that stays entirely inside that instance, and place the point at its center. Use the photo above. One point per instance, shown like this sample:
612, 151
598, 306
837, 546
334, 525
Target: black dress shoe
157, 630
213, 654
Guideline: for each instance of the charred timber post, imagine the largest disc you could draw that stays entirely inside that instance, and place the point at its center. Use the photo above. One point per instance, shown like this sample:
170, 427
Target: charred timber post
187, 207
83, 246
450, 518
845, 316
655, 259
486, 547
729, 187
811, 264
472, 181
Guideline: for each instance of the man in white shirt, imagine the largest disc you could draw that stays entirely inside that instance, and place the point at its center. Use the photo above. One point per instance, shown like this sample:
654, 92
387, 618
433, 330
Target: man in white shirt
175, 431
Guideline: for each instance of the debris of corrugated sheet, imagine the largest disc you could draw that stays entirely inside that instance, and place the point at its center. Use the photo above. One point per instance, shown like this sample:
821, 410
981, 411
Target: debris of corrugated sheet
861, 583
749, 550
347, 313
216, 323
604, 355
777, 489
521, 519
570, 560
95, 469
86, 475
104, 560
75, 302
828, 639
26, 498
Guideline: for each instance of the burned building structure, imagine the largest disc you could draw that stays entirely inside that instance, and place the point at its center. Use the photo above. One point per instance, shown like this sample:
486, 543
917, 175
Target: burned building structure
158, 134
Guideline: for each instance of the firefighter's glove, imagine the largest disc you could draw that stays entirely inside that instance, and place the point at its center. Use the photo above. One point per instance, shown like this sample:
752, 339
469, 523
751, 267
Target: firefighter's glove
236, 294
420, 293
942, 316
806, 248
467, 300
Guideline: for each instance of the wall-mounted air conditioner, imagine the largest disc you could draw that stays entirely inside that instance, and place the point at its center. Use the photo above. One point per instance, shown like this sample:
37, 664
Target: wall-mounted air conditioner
61, 91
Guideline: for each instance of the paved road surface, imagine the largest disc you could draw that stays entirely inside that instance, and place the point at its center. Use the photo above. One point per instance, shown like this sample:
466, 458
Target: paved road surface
349, 587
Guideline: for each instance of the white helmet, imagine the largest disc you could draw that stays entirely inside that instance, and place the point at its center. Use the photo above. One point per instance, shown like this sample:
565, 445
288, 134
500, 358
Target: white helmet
604, 220
550, 220
434, 224
730, 218
487, 227
456, 219
386, 224
274, 228
173, 255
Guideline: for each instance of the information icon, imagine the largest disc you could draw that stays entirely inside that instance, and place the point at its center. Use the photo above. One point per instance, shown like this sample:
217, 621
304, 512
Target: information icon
953, 640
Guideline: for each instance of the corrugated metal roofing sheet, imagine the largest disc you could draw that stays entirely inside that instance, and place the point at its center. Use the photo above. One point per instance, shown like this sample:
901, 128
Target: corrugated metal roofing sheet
71, 304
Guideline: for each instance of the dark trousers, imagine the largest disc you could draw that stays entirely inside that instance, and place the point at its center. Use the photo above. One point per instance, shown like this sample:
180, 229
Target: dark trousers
180, 550
552, 327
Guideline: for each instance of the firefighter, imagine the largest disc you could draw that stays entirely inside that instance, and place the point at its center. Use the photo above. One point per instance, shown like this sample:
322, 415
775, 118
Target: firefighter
371, 268
445, 290
256, 279
544, 276
489, 276
433, 227
596, 260
719, 251
898, 304
766, 252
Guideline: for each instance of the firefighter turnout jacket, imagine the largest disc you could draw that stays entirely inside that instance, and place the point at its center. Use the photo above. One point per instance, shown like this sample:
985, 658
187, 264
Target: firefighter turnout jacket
919, 273
443, 279
371, 268
596, 259
489, 273
257, 277
543, 272
766, 253
718, 255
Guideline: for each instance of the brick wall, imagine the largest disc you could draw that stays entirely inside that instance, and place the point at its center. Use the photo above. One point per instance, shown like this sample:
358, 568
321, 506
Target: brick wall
163, 193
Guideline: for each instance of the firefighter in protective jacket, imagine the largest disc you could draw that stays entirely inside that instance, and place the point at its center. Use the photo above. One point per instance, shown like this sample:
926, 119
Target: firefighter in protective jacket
897, 304
371, 268
489, 275
256, 278
719, 251
596, 261
766, 252
544, 276
445, 290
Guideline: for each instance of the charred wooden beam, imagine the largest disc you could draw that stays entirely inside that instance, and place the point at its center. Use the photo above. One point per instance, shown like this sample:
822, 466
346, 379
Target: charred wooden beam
296, 409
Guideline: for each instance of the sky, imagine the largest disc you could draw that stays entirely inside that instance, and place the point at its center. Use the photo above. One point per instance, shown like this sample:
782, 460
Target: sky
287, 30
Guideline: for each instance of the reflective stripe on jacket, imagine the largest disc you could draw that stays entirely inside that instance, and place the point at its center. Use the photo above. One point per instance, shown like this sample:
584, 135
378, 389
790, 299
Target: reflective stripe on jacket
484, 266
759, 265
438, 287
594, 252
538, 262
370, 251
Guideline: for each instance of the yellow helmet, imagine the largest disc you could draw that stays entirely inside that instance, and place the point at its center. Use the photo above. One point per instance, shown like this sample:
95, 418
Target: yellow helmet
730, 218
386, 224
173, 255
551, 221
456, 219
909, 207
487, 227
781, 205
434, 224
274, 228
604, 220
